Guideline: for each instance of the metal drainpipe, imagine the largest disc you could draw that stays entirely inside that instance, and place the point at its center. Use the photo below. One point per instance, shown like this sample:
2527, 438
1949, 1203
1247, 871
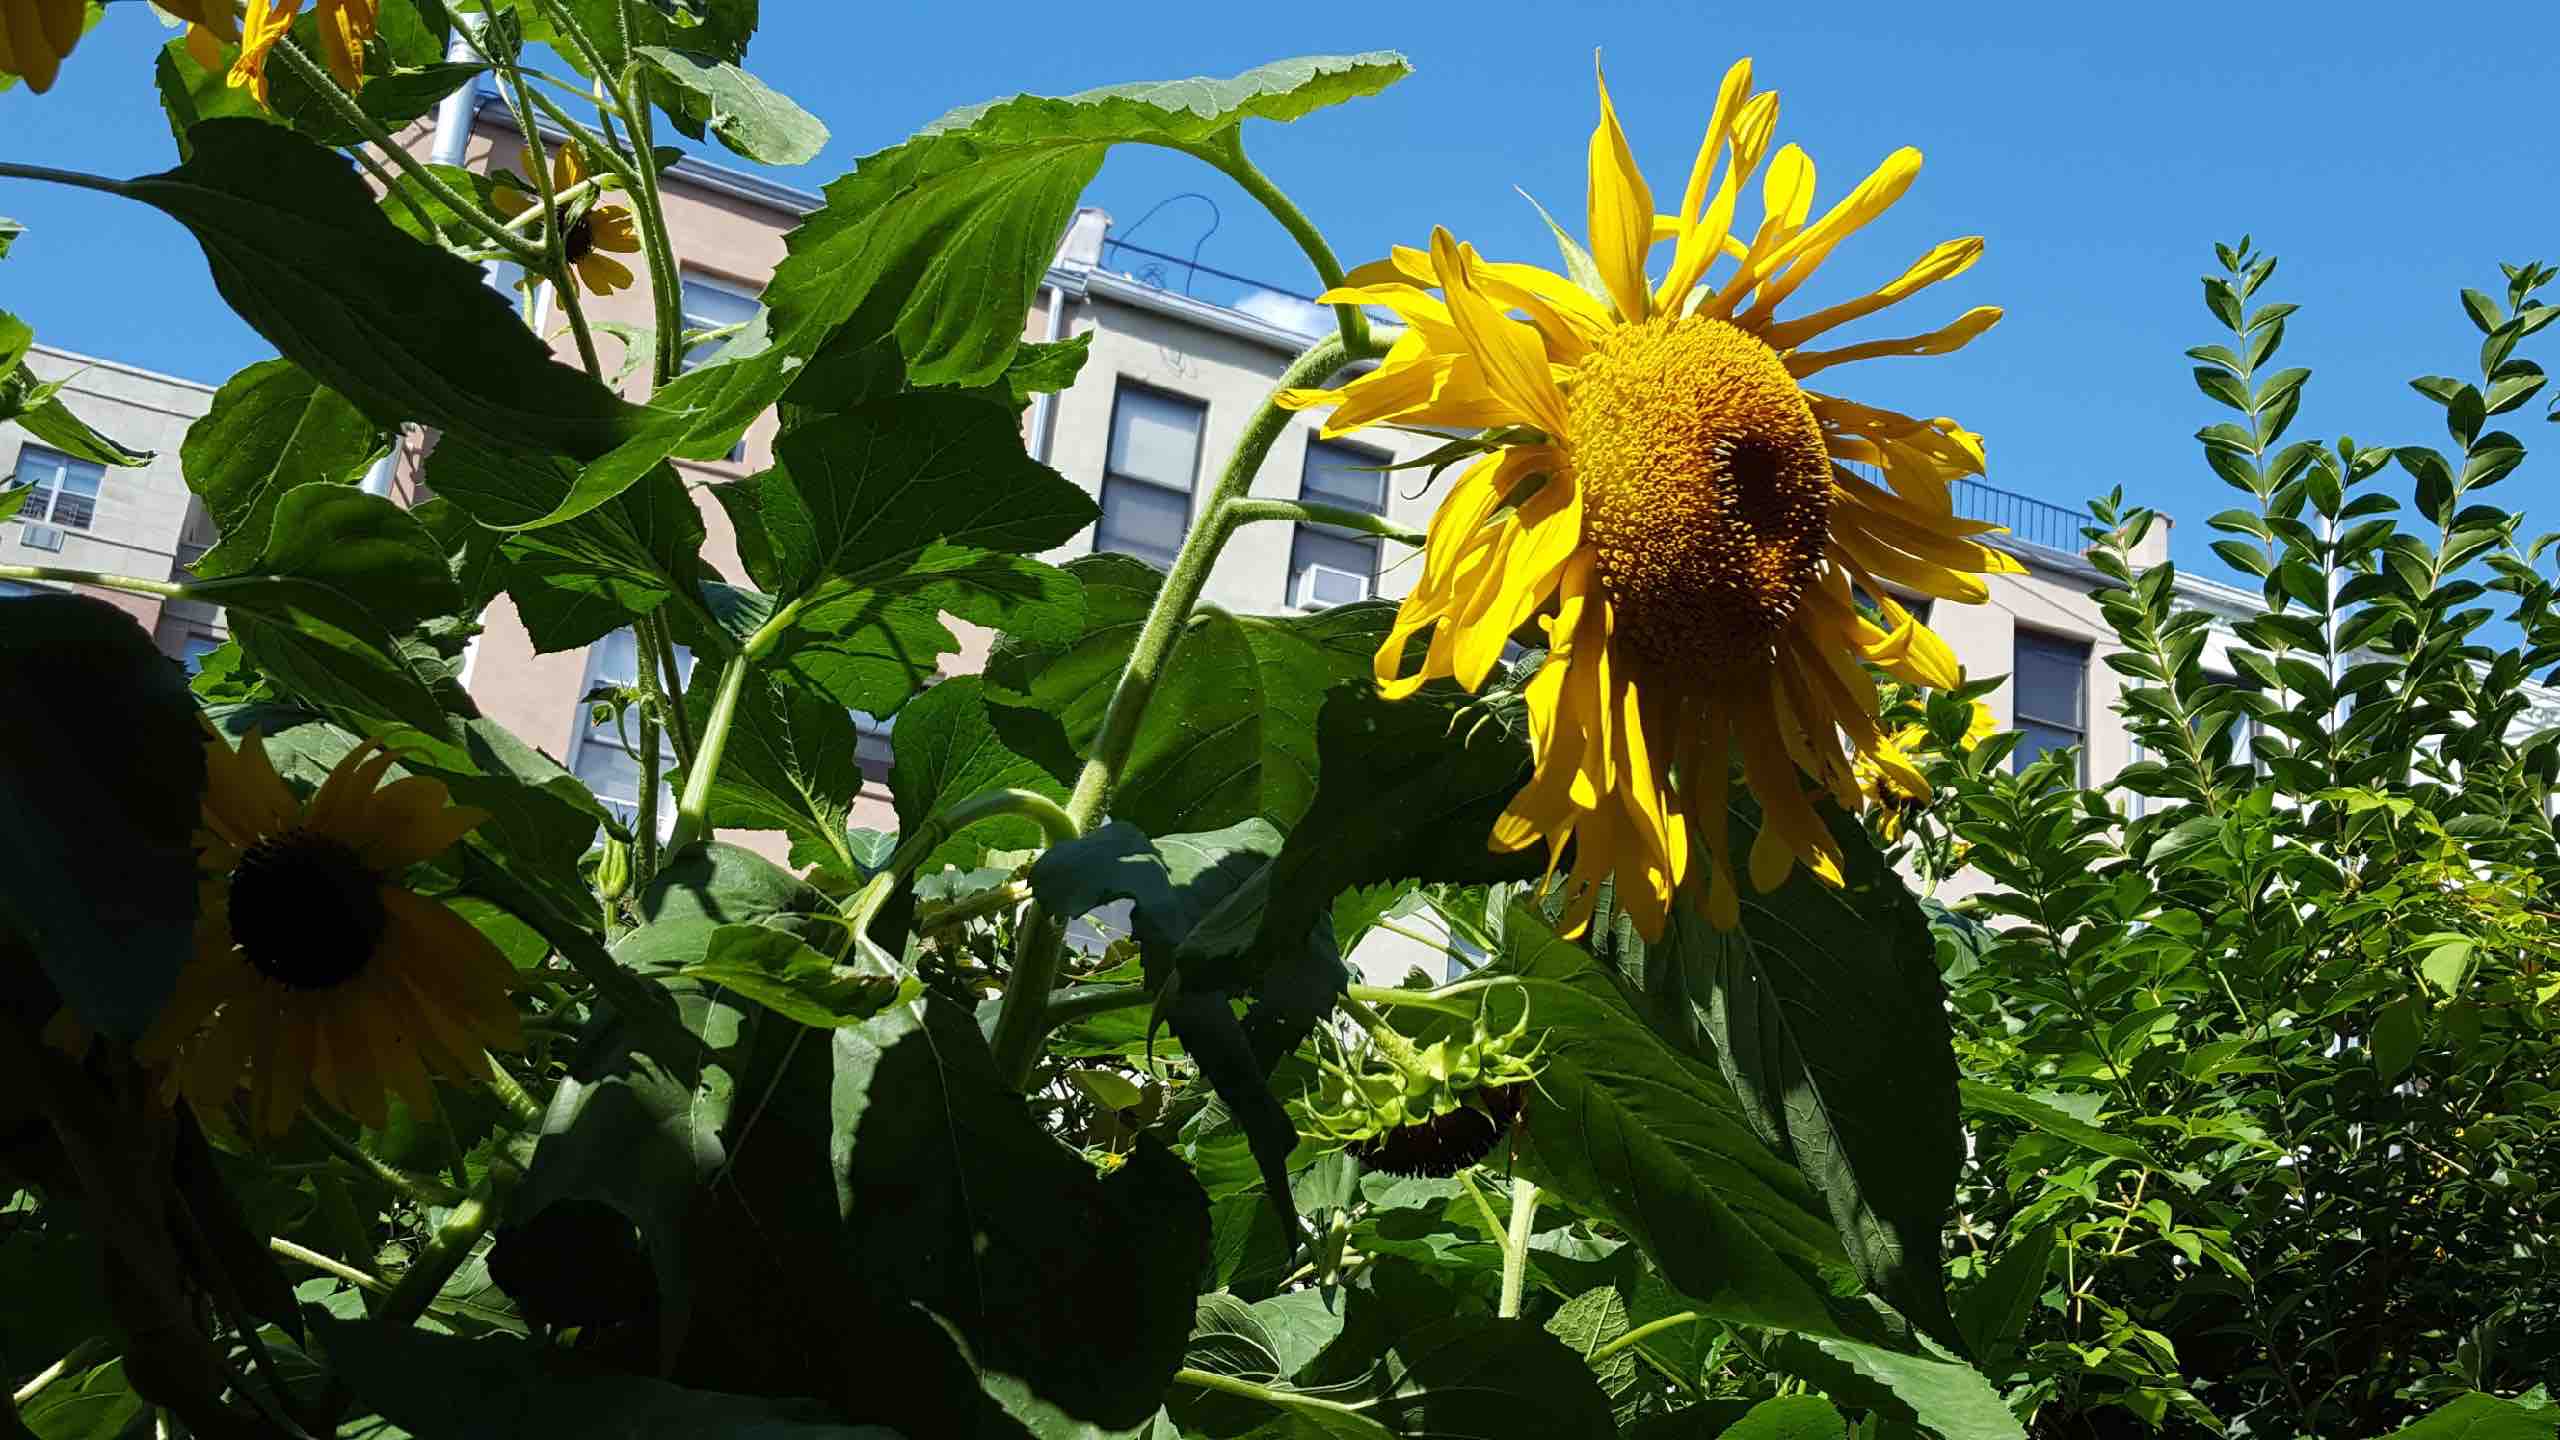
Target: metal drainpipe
452, 140
1044, 403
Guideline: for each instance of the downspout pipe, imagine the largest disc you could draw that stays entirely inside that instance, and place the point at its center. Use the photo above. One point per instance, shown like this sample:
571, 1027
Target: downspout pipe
452, 139
1044, 403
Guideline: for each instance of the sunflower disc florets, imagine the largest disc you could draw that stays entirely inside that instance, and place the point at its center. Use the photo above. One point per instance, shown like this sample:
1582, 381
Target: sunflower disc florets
1429, 1110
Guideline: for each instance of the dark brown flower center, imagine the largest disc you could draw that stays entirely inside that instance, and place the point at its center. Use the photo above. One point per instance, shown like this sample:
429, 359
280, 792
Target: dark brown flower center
580, 242
1706, 488
305, 911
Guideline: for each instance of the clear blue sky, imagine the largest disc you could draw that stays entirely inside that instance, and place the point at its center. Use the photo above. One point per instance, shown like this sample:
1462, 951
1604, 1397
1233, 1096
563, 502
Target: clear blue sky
2388, 162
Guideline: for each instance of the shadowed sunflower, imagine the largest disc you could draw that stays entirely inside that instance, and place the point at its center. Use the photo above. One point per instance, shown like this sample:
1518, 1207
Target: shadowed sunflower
598, 229
1889, 788
35, 35
314, 971
1659, 473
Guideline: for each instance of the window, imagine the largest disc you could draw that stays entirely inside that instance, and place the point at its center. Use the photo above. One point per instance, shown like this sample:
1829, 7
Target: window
1355, 480
606, 755
2052, 680
62, 491
1146, 478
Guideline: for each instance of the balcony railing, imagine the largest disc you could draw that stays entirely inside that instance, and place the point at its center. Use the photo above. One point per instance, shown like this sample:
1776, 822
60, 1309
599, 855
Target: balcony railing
2037, 522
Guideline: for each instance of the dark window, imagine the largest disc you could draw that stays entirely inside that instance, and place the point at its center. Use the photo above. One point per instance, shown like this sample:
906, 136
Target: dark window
1147, 476
1353, 479
2052, 685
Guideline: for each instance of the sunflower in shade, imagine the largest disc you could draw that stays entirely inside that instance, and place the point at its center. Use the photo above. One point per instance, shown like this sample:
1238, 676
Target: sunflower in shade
594, 231
1687, 515
213, 26
315, 972
1890, 789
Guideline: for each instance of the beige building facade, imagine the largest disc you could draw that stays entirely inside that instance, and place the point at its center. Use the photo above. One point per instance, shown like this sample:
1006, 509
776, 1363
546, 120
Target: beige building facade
118, 519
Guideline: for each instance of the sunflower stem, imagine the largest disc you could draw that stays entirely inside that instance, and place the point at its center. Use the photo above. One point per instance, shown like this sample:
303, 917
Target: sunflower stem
1039, 946
644, 837
1087, 1001
656, 630
325, 85
1515, 1248
1644, 1332
986, 902
1309, 512
555, 240
694, 808
1279, 1399
77, 1358
424, 1280
512, 1094
1225, 154
370, 1284
1386, 1037
417, 1187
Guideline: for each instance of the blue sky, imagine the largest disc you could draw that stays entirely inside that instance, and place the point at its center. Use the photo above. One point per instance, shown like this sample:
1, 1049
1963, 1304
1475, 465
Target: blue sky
2388, 163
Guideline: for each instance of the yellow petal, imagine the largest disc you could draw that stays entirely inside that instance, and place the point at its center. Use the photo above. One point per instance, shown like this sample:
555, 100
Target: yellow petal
244, 797
1621, 212
603, 274
411, 820
1515, 363
1795, 262
1944, 340
340, 809
1943, 262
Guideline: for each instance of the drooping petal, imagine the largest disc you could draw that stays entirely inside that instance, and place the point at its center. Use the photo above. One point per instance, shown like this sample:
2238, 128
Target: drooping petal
1943, 262
1944, 340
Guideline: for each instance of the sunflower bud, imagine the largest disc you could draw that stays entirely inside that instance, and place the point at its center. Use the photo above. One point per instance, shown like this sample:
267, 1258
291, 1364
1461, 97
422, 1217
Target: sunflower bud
613, 869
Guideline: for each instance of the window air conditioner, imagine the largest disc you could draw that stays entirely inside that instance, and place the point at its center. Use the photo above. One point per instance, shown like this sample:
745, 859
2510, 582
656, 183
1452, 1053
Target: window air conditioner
1322, 586
40, 537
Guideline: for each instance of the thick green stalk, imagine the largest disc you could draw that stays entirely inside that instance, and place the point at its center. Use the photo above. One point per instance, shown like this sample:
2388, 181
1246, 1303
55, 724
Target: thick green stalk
1283, 1399
1515, 1249
519, 249
693, 810
1310, 512
1642, 1333
303, 1255
1085, 1002
654, 630
130, 584
444, 1254
416, 1187
555, 241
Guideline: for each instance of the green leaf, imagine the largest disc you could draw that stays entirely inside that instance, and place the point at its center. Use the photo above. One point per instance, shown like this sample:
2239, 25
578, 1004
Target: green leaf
98, 1403
1945, 1396
719, 28
10, 230
1790, 1417
36, 407
1989, 1099
1396, 799
946, 753
792, 763
1827, 1016
2478, 1416
443, 1387
404, 331
395, 100
1593, 1319
1994, 1313
958, 1201
1172, 882
2396, 1032
1045, 367
780, 972
578, 582
746, 115
98, 807
361, 546
272, 428
1627, 1128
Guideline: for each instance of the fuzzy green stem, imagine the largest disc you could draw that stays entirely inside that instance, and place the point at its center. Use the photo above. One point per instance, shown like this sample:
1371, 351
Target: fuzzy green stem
511, 1092
1381, 1034
519, 249
416, 1187
1310, 512
1484, 1207
130, 584
1642, 1333
444, 1254
77, 1358
1091, 1000
644, 838
371, 1284
986, 902
1055, 824
654, 631
1225, 153
555, 240
1282, 1399
1515, 1249
694, 808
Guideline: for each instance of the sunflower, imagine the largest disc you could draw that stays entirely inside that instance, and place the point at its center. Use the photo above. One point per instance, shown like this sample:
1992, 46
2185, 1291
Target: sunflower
598, 229
1890, 791
346, 27
314, 970
35, 35
1658, 473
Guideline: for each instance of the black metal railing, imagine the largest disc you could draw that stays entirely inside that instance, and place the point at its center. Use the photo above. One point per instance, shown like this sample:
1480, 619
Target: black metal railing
2037, 522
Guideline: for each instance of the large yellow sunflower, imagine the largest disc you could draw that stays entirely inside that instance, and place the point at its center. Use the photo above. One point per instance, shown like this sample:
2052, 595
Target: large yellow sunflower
1689, 508
315, 971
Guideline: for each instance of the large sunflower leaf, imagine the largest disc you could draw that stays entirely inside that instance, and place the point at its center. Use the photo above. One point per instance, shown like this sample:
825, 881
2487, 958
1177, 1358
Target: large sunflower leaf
748, 116
272, 428
403, 330
946, 753
98, 806
941, 240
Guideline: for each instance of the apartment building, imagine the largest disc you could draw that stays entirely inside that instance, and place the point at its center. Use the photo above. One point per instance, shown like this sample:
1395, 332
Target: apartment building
121, 519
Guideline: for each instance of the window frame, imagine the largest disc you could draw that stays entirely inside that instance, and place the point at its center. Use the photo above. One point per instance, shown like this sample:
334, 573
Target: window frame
1190, 493
1375, 545
2020, 718
51, 494
583, 733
